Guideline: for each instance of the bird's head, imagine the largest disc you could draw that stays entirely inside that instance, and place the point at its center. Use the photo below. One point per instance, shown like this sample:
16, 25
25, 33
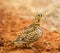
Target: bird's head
37, 19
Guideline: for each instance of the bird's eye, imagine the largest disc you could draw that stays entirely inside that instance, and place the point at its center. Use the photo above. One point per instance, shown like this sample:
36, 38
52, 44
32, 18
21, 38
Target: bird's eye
40, 15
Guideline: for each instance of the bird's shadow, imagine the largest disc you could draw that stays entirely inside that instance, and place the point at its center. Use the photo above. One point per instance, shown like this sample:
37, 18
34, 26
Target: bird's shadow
25, 48
21, 48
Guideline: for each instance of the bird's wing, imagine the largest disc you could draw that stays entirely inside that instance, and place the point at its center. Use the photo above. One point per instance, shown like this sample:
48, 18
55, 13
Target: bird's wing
25, 34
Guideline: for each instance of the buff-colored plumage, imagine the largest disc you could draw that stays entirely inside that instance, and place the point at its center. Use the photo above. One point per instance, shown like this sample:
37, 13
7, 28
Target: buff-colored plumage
29, 34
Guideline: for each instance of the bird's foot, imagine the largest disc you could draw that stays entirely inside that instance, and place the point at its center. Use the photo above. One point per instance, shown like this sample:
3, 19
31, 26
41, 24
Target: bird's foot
34, 49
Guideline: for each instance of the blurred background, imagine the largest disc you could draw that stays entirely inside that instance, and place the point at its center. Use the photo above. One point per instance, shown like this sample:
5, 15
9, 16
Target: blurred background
29, 8
17, 14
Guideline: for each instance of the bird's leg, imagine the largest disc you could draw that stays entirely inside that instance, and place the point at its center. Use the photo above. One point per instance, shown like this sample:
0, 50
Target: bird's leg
33, 48
27, 46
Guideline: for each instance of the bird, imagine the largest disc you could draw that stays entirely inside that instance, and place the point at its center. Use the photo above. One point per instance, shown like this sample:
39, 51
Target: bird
29, 34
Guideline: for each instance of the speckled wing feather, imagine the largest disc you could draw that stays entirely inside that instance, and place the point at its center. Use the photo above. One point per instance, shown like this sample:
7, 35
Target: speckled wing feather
28, 35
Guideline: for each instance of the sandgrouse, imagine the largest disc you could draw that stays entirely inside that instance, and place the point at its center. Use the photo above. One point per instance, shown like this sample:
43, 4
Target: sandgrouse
29, 34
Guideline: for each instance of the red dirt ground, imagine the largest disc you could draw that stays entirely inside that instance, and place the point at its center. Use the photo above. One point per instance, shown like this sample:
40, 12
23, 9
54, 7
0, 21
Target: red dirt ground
11, 25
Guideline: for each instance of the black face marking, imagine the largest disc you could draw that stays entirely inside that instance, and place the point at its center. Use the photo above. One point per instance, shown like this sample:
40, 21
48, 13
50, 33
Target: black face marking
40, 15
